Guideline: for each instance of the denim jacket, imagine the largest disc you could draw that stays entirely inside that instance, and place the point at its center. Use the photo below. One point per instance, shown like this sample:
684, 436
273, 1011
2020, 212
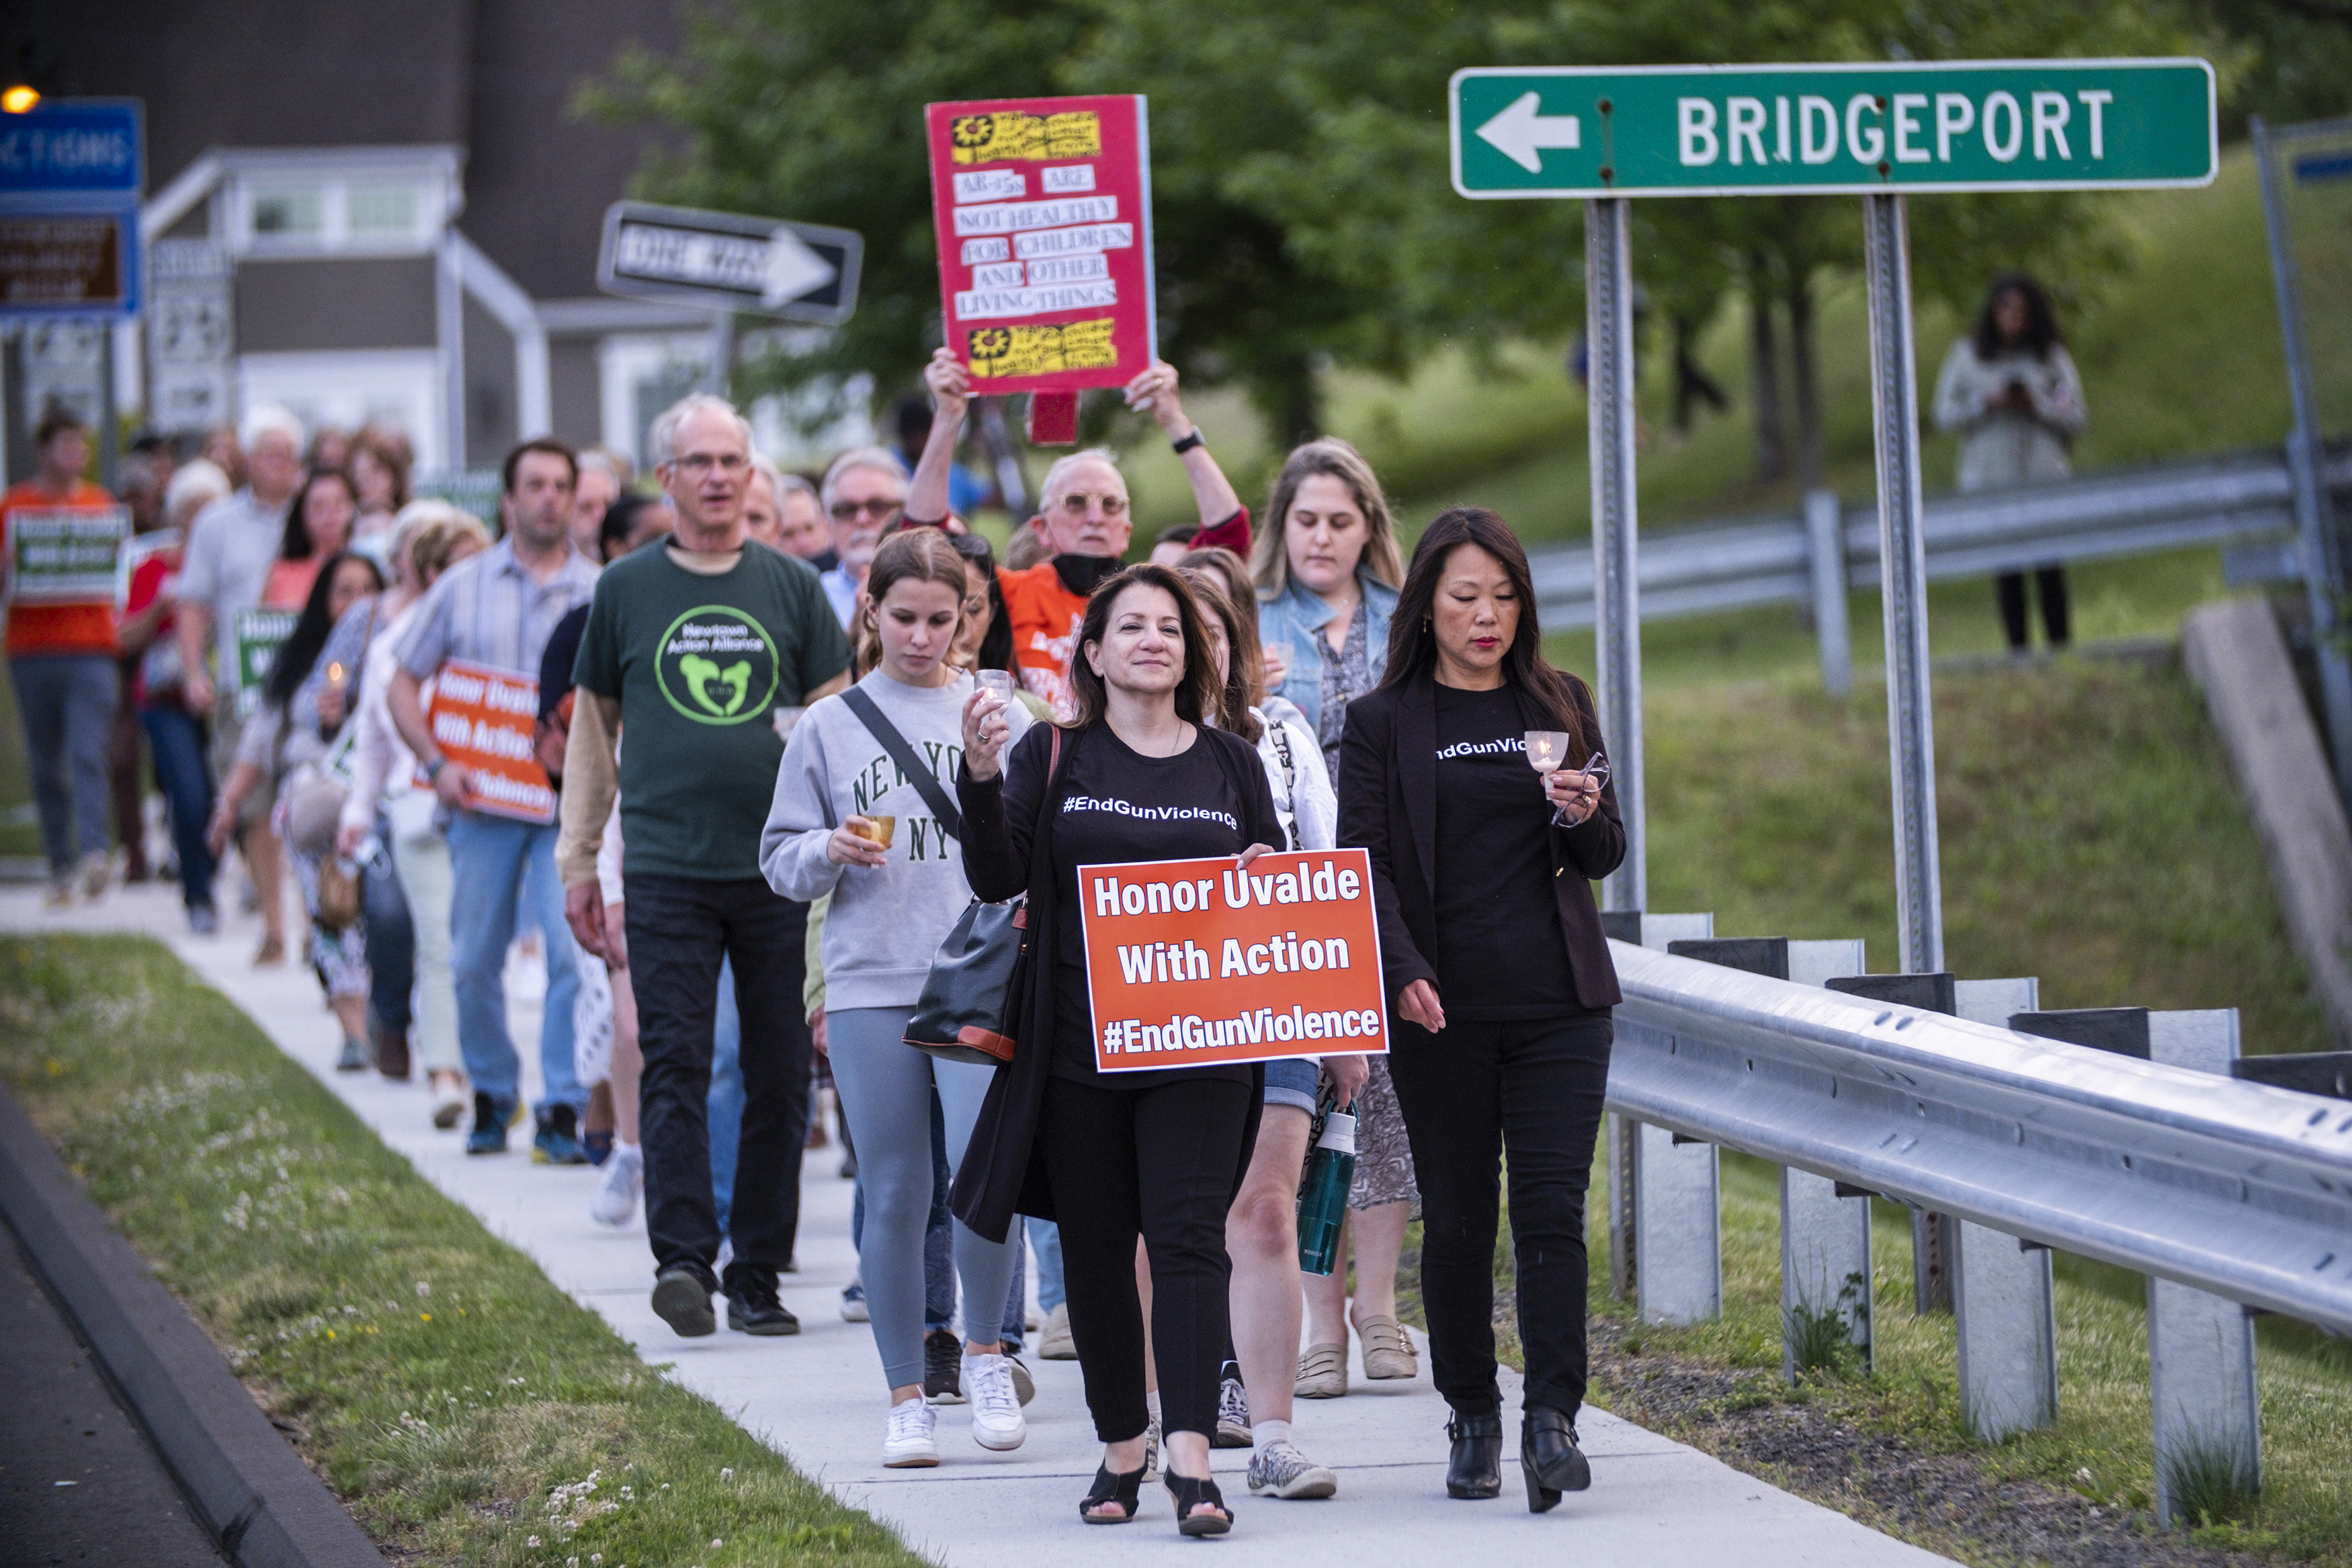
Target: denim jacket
1297, 617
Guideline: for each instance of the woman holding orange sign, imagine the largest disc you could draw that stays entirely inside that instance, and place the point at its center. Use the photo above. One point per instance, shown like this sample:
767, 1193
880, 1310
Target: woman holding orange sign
1476, 870
1141, 775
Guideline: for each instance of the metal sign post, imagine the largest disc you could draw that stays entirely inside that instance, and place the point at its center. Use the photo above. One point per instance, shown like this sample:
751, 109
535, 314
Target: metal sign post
1903, 576
2307, 451
1876, 130
1616, 588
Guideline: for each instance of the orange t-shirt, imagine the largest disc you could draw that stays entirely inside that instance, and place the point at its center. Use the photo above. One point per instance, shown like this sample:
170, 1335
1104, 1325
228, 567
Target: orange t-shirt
1045, 618
56, 628
287, 586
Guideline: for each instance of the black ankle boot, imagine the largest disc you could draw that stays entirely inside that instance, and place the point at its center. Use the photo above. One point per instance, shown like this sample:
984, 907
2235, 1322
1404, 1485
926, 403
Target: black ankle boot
1550, 1458
1474, 1470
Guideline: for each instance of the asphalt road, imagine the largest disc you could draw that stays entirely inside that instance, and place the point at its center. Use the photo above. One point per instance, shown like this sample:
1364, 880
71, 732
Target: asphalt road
79, 1483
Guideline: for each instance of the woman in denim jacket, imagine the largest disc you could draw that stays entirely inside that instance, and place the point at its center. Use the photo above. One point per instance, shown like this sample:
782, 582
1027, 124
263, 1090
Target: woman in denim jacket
1326, 569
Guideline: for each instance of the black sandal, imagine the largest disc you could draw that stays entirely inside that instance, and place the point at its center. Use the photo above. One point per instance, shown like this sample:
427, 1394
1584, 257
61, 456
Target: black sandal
1109, 1487
1190, 1492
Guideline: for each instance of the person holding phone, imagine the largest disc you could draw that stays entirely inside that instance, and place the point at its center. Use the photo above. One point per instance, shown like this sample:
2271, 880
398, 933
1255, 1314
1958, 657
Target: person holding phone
1498, 974
1140, 774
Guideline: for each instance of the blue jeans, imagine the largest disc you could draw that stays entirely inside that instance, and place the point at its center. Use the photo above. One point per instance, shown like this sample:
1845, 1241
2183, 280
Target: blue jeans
67, 703
505, 869
391, 938
726, 1100
177, 738
1046, 1238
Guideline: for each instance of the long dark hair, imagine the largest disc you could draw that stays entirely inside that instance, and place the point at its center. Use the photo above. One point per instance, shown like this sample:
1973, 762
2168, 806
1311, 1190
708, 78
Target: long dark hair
996, 643
2041, 320
1244, 658
301, 651
1412, 640
1196, 694
296, 543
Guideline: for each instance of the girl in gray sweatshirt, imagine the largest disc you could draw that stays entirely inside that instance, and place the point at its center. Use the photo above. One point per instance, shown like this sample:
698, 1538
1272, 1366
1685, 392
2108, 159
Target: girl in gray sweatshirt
846, 819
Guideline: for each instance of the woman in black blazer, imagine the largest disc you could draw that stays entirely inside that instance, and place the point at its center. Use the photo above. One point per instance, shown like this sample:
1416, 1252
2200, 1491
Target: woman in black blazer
1497, 970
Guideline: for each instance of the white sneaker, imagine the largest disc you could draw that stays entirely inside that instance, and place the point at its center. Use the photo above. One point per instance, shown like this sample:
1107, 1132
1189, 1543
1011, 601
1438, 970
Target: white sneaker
910, 1441
996, 1419
616, 1195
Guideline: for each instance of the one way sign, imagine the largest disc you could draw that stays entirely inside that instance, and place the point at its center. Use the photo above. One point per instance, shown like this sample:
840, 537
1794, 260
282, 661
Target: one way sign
726, 261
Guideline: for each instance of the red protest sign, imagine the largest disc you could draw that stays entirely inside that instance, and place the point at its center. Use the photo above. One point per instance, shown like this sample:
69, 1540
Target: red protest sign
482, 719
1042, 207
1191, 962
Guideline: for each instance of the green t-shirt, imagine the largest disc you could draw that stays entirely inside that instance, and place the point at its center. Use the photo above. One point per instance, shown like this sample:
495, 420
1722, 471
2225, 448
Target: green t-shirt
701, 664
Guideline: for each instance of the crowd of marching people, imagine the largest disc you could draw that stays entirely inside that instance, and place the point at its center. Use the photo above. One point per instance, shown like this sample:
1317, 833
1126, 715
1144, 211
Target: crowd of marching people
795, 726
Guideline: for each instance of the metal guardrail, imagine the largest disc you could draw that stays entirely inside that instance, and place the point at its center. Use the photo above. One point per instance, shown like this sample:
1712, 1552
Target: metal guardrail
2232, 1196
2237, 1189
2244, 497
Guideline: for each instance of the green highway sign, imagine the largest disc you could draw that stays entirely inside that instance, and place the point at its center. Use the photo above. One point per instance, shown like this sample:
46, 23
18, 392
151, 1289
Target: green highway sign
1832, 130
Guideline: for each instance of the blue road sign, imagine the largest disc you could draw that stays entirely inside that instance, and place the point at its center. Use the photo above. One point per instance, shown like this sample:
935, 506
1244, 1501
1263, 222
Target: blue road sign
73, 174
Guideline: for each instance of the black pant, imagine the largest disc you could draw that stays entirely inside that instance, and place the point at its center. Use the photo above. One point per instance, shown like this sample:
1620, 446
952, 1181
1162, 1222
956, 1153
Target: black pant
2009, 589
1533, 1089
1158, 1162
678, 929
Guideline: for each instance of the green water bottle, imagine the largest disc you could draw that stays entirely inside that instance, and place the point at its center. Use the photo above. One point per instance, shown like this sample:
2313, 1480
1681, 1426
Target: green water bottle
1323, 1193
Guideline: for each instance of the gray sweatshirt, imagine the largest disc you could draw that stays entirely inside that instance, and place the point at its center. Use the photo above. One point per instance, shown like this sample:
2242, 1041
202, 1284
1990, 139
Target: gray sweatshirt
886, 921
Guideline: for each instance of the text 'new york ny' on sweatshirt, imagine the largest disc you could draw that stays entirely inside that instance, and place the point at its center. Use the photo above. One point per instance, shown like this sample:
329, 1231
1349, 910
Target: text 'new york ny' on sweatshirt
886, 922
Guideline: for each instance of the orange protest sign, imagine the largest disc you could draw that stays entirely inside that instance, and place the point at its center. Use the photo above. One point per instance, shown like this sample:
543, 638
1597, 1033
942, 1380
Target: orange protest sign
1191, 962
482, 719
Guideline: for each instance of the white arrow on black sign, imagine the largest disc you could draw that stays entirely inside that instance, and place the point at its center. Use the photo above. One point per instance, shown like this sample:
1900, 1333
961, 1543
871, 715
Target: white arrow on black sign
730, 261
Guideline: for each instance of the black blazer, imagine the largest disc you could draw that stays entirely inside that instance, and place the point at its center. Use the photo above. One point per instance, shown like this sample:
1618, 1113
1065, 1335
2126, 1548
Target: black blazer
1005, 856
1387, 806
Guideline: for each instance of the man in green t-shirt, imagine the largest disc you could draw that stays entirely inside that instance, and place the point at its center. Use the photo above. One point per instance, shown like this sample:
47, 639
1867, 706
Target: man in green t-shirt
690, 647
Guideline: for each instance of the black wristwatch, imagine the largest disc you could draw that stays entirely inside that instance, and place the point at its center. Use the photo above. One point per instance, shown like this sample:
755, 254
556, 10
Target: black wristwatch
1189, 442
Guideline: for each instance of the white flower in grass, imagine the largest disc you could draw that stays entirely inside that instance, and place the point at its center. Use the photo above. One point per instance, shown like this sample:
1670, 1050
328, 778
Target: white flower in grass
531, 1540
727, 1474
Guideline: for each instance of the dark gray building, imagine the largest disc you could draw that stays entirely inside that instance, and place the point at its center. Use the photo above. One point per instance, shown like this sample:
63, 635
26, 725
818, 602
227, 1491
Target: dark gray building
381, 212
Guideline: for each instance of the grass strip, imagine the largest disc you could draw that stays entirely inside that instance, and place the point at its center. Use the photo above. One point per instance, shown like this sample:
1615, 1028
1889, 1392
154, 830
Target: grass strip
464, 1409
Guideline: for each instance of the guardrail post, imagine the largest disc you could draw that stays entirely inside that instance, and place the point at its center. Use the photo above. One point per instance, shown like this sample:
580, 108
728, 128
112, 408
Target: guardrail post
2200, 1347
1652, 1182
1825, 1263
1825, 542
2003, 1299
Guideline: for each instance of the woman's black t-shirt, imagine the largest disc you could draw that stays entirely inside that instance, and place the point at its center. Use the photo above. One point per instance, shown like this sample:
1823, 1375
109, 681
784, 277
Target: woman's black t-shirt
1499, 951
1118, 805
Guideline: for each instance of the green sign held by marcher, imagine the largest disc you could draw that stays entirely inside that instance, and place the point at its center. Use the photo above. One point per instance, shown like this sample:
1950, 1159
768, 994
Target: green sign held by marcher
259, 634
1823, 129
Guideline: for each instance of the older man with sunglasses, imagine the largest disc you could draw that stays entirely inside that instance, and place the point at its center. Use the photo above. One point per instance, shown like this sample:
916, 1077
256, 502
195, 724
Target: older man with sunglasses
864, 493
1083, 512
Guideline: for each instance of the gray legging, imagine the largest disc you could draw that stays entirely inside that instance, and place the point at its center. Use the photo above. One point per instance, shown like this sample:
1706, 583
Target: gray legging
885, 1091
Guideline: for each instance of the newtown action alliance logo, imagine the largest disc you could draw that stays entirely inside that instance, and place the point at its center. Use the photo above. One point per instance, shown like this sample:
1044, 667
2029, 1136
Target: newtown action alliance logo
715, 666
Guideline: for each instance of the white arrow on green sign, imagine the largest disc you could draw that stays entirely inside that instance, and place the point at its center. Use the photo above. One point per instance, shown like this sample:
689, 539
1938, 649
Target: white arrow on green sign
1832, 130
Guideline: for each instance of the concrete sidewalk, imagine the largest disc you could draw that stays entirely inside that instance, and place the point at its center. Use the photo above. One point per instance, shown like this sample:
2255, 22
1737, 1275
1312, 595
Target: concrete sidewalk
819, 1398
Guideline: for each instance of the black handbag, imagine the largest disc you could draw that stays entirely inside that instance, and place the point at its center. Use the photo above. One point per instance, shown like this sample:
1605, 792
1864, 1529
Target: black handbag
971, 999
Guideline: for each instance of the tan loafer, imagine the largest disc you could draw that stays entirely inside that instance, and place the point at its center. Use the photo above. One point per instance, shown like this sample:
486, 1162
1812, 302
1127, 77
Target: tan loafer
1322, 1373
1387, 1351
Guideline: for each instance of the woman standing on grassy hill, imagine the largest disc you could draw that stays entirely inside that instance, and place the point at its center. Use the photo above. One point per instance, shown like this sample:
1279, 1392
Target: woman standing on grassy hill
1489, 938
2011, 390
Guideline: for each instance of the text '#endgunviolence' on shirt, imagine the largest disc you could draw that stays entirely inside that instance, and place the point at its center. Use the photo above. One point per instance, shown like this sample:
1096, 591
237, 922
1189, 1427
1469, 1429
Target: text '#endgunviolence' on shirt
699, 665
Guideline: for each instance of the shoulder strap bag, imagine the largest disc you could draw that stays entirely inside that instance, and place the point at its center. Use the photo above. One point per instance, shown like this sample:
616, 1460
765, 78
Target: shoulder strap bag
972, 996
870, 713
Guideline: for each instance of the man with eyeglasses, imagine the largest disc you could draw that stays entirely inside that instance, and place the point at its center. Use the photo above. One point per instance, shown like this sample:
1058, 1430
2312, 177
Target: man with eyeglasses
864, 493
1082, 511
691, 647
